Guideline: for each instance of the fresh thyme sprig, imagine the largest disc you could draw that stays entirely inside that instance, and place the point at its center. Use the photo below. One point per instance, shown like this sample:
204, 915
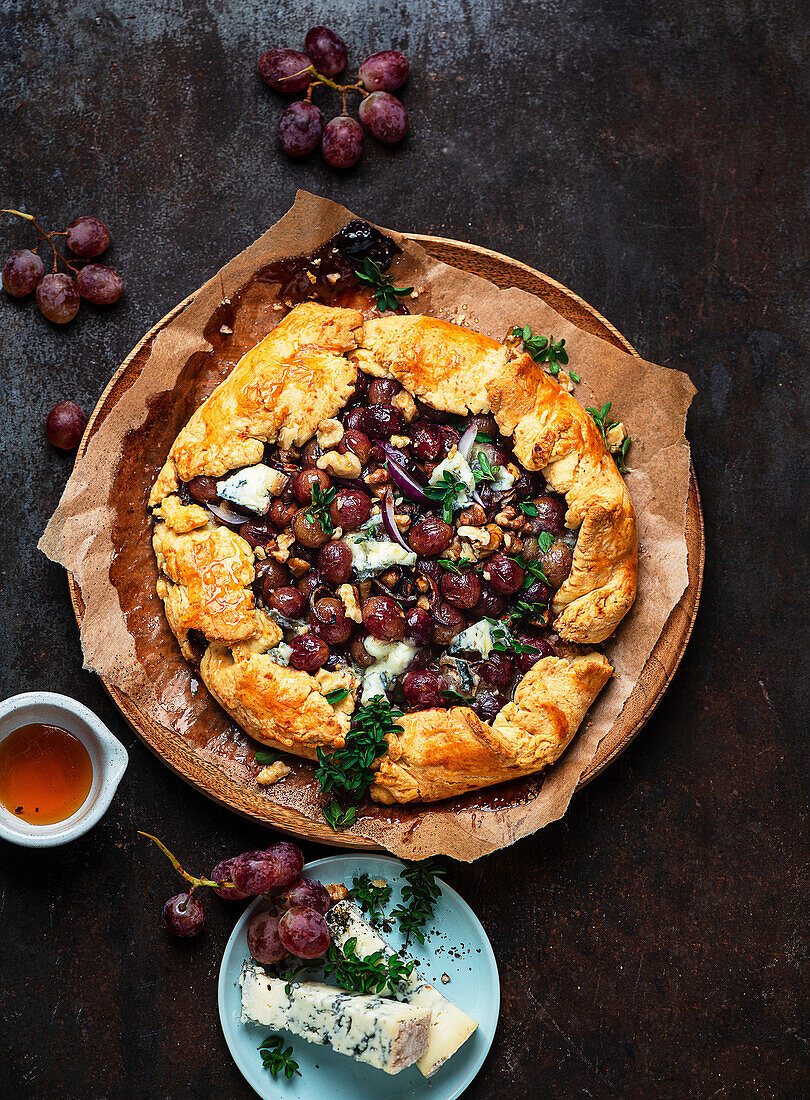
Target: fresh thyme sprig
419, 897
503, 642
545, 349
534, 571
347, 773
278, 1058
370, 896
463, 565
319, 508
533, 611
445, 491
370, 974
600, 418
385, 292
482, 471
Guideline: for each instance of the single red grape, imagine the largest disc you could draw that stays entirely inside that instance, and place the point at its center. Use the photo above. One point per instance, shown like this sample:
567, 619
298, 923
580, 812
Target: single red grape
65, 425
99, 284
87, 237
326, 50
306, 892
223, 872
288, 862
263, 939
285, 70
385, 71
304, 932
384, 116
58, 298
342, 144
22, 273
300, 129
183, 915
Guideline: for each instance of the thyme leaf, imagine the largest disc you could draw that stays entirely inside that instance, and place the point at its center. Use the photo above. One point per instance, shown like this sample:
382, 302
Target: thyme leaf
445, 492
385, 292
370, 896
365, 974
278, 1058
600, 418
319, 508
419, 897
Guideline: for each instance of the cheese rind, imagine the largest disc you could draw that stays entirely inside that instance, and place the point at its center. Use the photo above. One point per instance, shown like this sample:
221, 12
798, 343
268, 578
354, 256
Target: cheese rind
386, 1034
450, 1026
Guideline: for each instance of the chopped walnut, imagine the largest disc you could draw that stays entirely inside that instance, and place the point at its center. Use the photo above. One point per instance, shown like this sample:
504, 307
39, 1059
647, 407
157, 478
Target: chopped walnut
390, 577
347, 594
510, 518
377, 478
272, 773
400, 441
473, 517
615, 437
297, 566
406, 405
313, 278
339, 465
422, 583
259, 552
453, 551
403, 521
564, 381
482, 540
336, 890
511, 543
329, 434
332, 277
283, 544
424, 603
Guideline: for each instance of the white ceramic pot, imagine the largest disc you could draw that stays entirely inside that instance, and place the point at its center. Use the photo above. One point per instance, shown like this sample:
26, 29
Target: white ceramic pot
107, 755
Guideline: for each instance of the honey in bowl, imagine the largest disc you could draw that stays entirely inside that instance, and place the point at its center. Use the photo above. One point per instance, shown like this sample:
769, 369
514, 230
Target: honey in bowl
45, 773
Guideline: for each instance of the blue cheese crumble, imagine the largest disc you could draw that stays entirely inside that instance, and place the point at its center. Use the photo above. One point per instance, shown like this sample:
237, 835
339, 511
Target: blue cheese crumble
252, 487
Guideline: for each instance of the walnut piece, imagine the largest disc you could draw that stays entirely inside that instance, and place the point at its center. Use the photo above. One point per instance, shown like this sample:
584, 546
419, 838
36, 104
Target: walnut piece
329, 434
510, 518
336, 890
347, 594
272, 773
339, 465
377, 478
297, 566
472, 517
406, 405
283, 544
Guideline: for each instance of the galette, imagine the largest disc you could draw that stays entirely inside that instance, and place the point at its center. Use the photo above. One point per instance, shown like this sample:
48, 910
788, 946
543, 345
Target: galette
400, 517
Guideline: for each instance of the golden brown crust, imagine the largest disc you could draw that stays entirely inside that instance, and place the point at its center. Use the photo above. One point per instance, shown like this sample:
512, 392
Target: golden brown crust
553, 433
445, 365
285, 389
445, 753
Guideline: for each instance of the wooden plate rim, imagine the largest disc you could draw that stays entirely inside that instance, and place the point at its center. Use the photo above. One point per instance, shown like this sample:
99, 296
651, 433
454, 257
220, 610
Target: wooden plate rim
199, 773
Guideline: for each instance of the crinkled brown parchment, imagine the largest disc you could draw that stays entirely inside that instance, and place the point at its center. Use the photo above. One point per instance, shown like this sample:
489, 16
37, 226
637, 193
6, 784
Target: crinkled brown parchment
101, 531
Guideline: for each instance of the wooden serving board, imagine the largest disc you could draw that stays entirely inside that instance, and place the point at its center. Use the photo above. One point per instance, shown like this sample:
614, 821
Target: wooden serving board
655, 676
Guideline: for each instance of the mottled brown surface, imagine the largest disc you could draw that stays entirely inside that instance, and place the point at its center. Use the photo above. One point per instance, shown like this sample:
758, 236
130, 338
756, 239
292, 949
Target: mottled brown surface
649, 156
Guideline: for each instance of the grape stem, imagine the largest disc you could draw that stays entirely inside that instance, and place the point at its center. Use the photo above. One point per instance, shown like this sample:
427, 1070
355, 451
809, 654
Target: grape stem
319, 78
195, 882
43, 236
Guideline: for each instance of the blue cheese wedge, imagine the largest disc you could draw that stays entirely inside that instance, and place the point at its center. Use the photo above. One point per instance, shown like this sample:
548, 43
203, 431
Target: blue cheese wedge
391, 660
252, 487
477, 637
387, 1034
456, 464
450, 1027
370, 556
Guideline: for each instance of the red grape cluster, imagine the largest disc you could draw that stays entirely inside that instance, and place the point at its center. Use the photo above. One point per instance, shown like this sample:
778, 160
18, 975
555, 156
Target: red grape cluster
301, 128
292, 925
59, 293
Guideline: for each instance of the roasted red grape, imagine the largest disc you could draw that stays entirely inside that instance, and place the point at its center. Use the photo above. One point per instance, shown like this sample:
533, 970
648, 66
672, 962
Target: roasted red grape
281, 512
308, 529
326, 50
383, 618
423, 689
461, 589
430, 536
99, 284
65, 425
58, 298
556, 563
384, 117
490, 604
329, 621
285, 70
498, 669
342, 144
426, 439
306, 892
357, 442
223, 872
504, 574
87, 237
488, 704
263, 940
257, 533
350, 509
304, 932
550, 516
309, 582
22, 273
354, 417
286, 600
308, 653
183, 915
335, 562
418, 627
303, 483
360, 655
381, 390
203, 489
541, 648
447, 622
300, 129
385, 71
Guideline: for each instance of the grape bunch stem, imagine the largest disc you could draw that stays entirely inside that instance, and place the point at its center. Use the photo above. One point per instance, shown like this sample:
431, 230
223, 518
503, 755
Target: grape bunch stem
319, 78
195, 882
45, 236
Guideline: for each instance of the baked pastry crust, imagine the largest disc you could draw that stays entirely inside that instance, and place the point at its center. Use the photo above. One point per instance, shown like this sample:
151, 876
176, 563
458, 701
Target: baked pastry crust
288, 387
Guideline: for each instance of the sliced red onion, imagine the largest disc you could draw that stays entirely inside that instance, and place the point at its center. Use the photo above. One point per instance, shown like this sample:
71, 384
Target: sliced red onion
390, 523
226, 516
401, 479
351, 483
465, 444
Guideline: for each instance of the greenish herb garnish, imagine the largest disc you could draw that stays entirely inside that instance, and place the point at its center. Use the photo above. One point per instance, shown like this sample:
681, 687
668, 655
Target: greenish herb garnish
347, 773
336, 696
503, 642
456, 697
365, 974
527, 507
445, 492
370, 896
525, 609
463, 565
482, 471
600, 418
319, 508
534, 571
481, 437
265, 758
544, 349
419, 897
278, 1058
385, 292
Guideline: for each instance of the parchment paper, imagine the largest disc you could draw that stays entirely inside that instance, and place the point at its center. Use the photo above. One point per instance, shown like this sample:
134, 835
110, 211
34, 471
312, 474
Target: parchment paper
100, 530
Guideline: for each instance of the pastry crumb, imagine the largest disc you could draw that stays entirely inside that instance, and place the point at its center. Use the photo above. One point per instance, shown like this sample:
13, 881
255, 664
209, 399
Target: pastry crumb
272, 773
337, 891
445, 978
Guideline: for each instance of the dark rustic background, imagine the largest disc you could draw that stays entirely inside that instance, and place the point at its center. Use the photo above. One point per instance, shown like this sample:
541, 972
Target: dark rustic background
653, 158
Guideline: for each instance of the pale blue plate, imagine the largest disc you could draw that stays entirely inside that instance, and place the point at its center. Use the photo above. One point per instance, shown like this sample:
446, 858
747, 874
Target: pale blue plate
456, 946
